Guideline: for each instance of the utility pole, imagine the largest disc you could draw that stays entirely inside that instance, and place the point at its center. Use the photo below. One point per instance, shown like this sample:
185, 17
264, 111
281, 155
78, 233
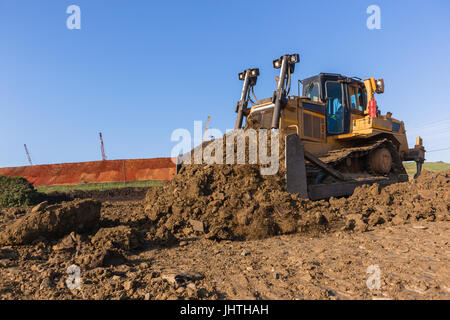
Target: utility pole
28, 155
102, 147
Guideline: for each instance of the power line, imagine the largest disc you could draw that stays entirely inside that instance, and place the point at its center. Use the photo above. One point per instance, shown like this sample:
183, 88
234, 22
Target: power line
438, 150
430, 124
443, 126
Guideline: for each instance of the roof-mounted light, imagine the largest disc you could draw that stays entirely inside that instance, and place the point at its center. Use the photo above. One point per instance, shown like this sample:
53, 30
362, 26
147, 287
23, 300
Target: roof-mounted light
379, 86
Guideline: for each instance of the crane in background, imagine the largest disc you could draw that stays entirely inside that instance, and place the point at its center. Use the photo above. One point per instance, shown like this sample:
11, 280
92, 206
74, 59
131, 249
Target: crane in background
206, 129
102, 147
28, 155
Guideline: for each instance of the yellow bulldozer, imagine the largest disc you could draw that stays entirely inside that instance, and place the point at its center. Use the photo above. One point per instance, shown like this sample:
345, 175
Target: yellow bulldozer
336, 137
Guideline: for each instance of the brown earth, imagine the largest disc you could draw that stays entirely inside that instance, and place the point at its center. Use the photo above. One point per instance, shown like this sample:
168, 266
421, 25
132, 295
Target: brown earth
229, 233
237, 203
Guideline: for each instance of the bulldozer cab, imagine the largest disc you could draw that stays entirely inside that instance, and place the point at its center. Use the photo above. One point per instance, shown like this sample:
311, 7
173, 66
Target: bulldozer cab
330, 102
344, 98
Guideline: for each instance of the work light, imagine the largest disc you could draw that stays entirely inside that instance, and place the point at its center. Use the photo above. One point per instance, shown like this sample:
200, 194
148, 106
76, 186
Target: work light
380, 86
294, 58
277, 64
242, 75
254, 72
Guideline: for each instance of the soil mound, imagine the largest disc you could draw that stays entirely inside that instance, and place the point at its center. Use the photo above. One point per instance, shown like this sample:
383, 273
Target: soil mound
52, 222
427, 198
236, 202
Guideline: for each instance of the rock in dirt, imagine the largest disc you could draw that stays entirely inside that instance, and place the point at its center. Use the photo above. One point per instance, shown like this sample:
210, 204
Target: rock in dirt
122, 237
40, 207
106, 258
181, 277
67, 243
197, 225
128, 285
54, 222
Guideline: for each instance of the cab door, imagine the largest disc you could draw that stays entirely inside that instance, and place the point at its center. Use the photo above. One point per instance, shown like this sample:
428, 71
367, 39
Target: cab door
336, 113
357, 102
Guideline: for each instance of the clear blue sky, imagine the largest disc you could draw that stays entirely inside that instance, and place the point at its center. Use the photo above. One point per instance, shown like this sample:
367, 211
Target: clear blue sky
137, 70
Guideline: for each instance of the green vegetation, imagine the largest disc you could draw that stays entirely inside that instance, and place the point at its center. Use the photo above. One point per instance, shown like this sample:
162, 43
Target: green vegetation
430, 166
101, 186
16, 192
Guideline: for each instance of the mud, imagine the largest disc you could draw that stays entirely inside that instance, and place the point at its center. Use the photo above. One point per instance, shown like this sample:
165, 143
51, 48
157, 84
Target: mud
229, 233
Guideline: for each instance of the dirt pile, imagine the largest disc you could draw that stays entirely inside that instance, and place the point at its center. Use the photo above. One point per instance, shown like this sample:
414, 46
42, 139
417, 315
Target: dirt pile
226, 202
52, 222
427, 198
237, 202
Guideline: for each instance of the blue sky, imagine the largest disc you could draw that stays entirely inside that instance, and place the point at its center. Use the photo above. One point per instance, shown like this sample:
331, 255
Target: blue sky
137, 70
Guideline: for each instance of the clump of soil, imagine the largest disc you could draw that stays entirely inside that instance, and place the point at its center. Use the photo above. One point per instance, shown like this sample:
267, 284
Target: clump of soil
122, 237
52, 222
16, 192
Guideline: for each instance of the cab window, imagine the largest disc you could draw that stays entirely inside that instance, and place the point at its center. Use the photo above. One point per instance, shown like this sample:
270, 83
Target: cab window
356, 98
361, 99
353, 97
335, 108
312, 91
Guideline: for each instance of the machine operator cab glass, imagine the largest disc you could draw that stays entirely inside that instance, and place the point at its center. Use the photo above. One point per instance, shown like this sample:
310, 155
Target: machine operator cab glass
335, 108
312, 91
357, 97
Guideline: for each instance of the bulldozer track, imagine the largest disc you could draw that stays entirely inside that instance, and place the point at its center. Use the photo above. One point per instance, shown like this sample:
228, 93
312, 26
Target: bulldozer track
338, 158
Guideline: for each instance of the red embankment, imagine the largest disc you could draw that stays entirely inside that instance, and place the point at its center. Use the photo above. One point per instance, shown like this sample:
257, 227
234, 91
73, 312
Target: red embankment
95, 172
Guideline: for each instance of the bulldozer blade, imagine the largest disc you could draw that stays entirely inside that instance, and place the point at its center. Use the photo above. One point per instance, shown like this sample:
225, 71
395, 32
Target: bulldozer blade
295, 166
